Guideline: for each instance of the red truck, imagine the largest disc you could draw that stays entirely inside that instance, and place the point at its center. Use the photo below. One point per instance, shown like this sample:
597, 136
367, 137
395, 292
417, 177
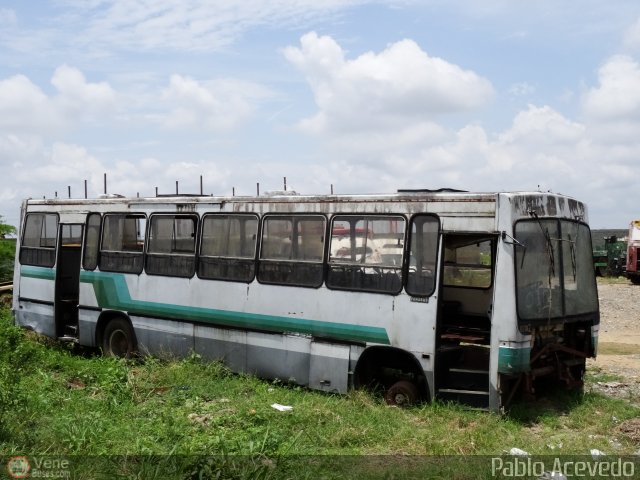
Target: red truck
633, 252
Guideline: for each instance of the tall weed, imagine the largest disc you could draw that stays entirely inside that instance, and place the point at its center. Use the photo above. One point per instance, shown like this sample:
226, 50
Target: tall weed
18, 356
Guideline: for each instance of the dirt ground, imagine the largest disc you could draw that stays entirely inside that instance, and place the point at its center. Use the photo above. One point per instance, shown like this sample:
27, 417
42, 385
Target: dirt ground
619, 339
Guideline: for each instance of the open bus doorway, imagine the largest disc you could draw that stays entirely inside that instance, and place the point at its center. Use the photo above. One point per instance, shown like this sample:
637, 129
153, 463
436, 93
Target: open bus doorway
67, 283
463, 328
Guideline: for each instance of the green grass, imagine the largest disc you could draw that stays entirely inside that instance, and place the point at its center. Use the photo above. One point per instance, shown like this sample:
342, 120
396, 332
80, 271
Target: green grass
60, 401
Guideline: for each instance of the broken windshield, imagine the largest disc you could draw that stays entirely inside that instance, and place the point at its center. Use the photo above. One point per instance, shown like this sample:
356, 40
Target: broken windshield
555, 278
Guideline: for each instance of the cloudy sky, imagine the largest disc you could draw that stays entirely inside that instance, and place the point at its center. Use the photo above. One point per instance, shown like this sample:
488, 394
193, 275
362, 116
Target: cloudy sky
369, 96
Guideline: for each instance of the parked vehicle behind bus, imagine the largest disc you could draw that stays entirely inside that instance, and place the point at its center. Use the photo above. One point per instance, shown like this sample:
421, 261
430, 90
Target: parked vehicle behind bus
633, 253
610, 260
470, 297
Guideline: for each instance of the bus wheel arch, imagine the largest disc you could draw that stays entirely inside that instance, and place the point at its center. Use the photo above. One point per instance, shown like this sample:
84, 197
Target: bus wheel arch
115, 335
395, 371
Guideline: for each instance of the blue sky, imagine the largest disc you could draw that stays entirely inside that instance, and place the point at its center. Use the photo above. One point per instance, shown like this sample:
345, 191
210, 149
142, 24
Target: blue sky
367, 96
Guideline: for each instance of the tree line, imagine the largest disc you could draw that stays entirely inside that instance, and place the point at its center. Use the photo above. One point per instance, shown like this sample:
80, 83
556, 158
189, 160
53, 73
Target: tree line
7, 251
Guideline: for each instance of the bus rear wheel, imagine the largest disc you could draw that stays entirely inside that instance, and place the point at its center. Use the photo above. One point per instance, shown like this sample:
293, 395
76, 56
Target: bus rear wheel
403, 393
118, 339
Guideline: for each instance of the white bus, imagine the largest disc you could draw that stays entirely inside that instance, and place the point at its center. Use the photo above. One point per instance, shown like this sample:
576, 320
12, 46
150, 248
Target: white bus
448, 295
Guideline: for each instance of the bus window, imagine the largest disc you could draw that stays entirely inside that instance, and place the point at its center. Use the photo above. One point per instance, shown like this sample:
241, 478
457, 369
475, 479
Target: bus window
122, 243
171, 247
554, 269
39, 240
366, 253
292, 250
228, 247
71, 235
92, 242
468, 261
421, 279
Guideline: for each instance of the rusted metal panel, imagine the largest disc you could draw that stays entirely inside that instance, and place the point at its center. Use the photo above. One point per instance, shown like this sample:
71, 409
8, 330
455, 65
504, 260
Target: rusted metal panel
547, 205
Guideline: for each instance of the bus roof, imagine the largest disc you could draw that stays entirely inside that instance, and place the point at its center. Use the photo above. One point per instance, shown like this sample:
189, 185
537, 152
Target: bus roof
470, 211
446, 195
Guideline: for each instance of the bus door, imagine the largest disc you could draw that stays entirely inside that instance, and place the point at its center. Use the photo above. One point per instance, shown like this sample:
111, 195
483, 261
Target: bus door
463, 327
67, 284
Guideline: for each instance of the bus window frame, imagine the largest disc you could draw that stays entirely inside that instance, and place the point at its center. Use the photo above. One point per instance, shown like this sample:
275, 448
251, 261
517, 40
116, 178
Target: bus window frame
172, 255
98, 243
493, 239
351, 265
244, 260
141, 253
40, 248
289, 263
407, 254
527, 322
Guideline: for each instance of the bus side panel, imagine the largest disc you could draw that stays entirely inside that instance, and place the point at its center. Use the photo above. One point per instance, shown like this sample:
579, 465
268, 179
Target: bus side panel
329, 369
37, 317
278, 356
87, 294
35, 305
228, 346
263, 354
39, 287
87, 321
411, 323
294, 358
163, 338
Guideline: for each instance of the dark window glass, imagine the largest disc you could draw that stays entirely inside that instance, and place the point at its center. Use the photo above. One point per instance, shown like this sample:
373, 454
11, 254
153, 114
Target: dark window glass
292, 250
171, 247
92, 242
366, 253
421, 277
228, 247
39, 240
122, 243
71, 235
554, 269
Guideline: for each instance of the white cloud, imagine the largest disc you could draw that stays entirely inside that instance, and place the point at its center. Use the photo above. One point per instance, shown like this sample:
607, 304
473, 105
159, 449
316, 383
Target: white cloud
195, 25
24, 106
394, 87
184, 104
617, 97
542, 125
217, 105
76, 96
38, 170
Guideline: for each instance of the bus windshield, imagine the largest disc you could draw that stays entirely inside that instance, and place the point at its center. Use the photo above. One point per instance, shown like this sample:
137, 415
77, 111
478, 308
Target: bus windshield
554, 270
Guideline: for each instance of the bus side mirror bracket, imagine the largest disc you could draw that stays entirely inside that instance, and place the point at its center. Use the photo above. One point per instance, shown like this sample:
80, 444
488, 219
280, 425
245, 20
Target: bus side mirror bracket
513, 241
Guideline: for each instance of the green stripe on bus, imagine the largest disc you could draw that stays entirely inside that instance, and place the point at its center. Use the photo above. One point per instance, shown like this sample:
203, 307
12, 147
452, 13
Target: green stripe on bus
112, 292
38, 272
514, 360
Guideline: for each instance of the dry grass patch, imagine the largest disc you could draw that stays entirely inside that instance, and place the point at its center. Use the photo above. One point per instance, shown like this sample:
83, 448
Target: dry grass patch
615, 348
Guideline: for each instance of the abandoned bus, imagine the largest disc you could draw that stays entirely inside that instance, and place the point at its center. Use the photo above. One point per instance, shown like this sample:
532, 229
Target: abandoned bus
469, 297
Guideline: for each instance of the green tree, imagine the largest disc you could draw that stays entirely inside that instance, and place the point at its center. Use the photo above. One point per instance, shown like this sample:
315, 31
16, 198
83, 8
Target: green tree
6, 229
7, 251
